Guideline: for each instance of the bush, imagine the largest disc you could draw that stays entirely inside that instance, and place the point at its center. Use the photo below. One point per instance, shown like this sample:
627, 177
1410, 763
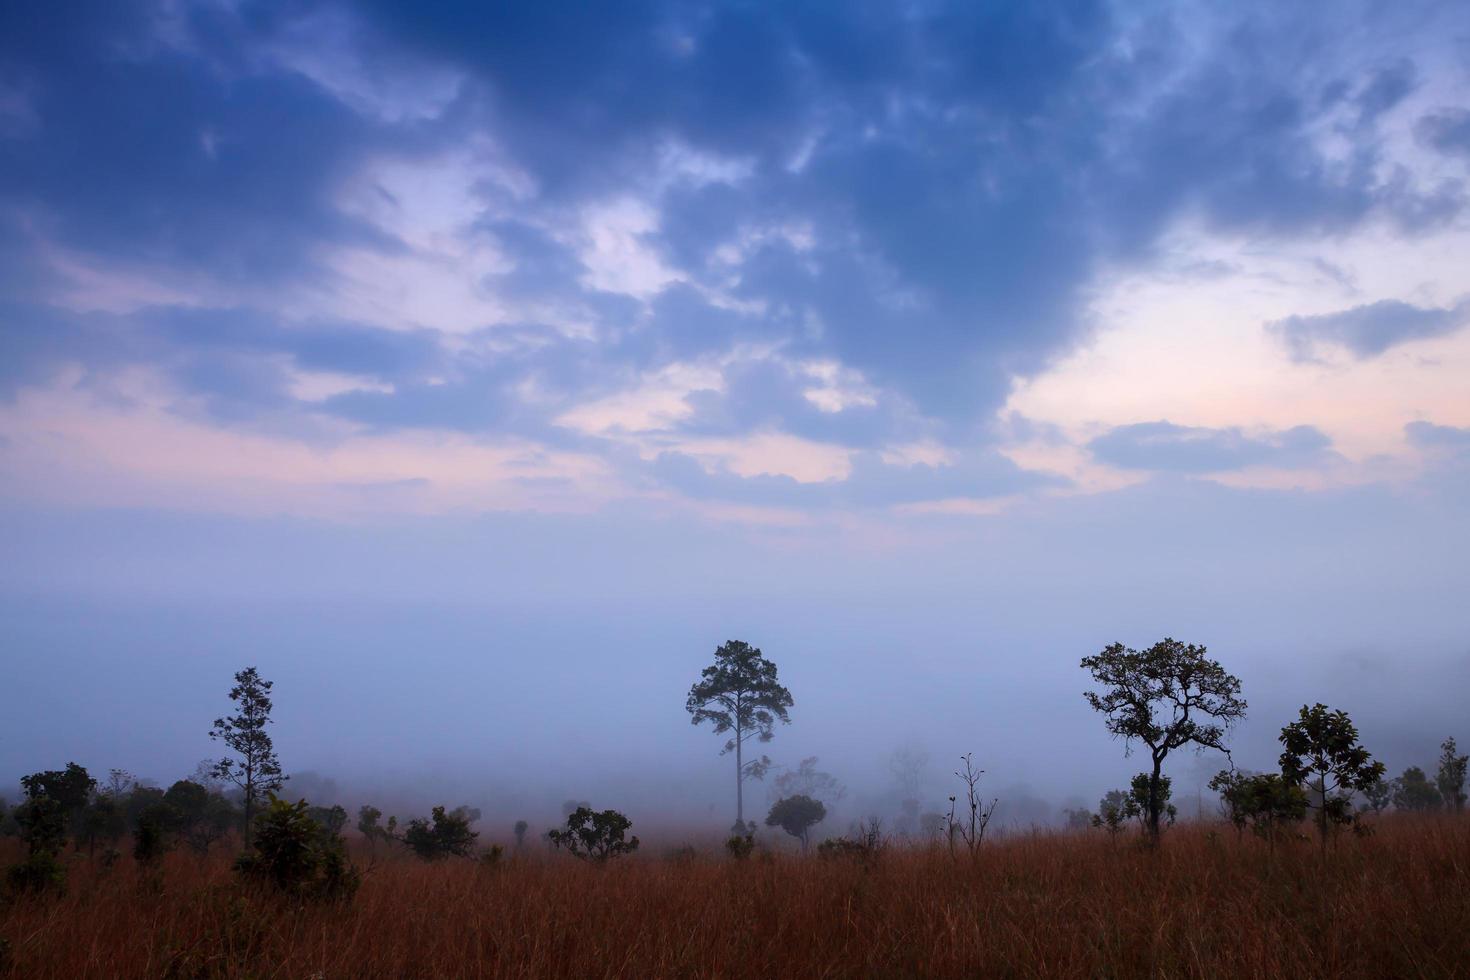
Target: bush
740, 846
296, 855
448, 834
595, 836
37, 872
865, 846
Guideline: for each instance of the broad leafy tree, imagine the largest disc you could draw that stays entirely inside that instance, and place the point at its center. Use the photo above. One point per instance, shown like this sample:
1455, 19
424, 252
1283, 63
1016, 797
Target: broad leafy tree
1450, 779
1414, 792
739, 694
446, 834
1265, 801
256, 770
797, 815
1320, 752
70, 789
1168, 696
594, 836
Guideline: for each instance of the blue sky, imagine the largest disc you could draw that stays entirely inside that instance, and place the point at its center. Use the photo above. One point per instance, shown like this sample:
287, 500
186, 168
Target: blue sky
564, 309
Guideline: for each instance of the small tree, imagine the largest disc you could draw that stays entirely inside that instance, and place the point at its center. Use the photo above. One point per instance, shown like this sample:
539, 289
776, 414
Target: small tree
1265, 801
520, 831
42, 823
739, 694
257, 771
1378, 795
1320, 751
1113, 812
969, 825
1413, 791
797, 815
447, 835
71, 788
1168, 696
198, 816
595, 836
297, 855
1450, 780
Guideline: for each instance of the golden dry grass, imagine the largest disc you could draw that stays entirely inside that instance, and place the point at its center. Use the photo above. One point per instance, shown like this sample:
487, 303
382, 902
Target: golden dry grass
1206, 904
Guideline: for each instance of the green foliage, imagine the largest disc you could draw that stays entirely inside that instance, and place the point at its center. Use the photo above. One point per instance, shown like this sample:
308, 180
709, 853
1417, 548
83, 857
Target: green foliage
1413, 791
42, 823
70, 788
865, 845
1266, 802
797, 815
1162, 792
1320, 751
256, 771
1168, 696
1114, 811
446, 834
740, 694
296, 855
151, 837
740, 846
594, 836
38, 871
103, 820
1450, 780
1378, 795
330, 818
196, 815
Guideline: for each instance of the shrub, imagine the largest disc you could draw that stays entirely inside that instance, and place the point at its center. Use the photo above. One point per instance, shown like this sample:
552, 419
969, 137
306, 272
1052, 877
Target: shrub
740, 846
37, 872
866, 845
595, 836
447, 834
296, 855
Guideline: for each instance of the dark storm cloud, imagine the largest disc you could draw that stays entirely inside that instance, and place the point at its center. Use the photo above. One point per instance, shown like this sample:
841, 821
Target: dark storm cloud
1165, 447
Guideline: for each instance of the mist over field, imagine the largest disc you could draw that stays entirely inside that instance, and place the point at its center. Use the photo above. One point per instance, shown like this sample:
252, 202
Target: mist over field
512, 663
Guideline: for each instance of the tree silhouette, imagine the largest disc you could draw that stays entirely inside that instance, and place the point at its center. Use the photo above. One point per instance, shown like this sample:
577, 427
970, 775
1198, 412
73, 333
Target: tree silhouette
1413, 791
739, 694
257, 770
1166, 697
1320, 750
594, 836
1451, 776
797, 815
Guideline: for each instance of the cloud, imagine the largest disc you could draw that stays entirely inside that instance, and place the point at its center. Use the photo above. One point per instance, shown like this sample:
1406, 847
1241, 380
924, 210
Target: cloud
1368, 330
1165, 447
1447, 131
871, 482
1427, 435
550, 203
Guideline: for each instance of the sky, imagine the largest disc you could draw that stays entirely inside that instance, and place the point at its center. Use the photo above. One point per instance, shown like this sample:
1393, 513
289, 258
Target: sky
475, 370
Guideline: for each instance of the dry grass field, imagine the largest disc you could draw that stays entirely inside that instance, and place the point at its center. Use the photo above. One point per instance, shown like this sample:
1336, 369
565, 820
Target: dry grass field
1206, 904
